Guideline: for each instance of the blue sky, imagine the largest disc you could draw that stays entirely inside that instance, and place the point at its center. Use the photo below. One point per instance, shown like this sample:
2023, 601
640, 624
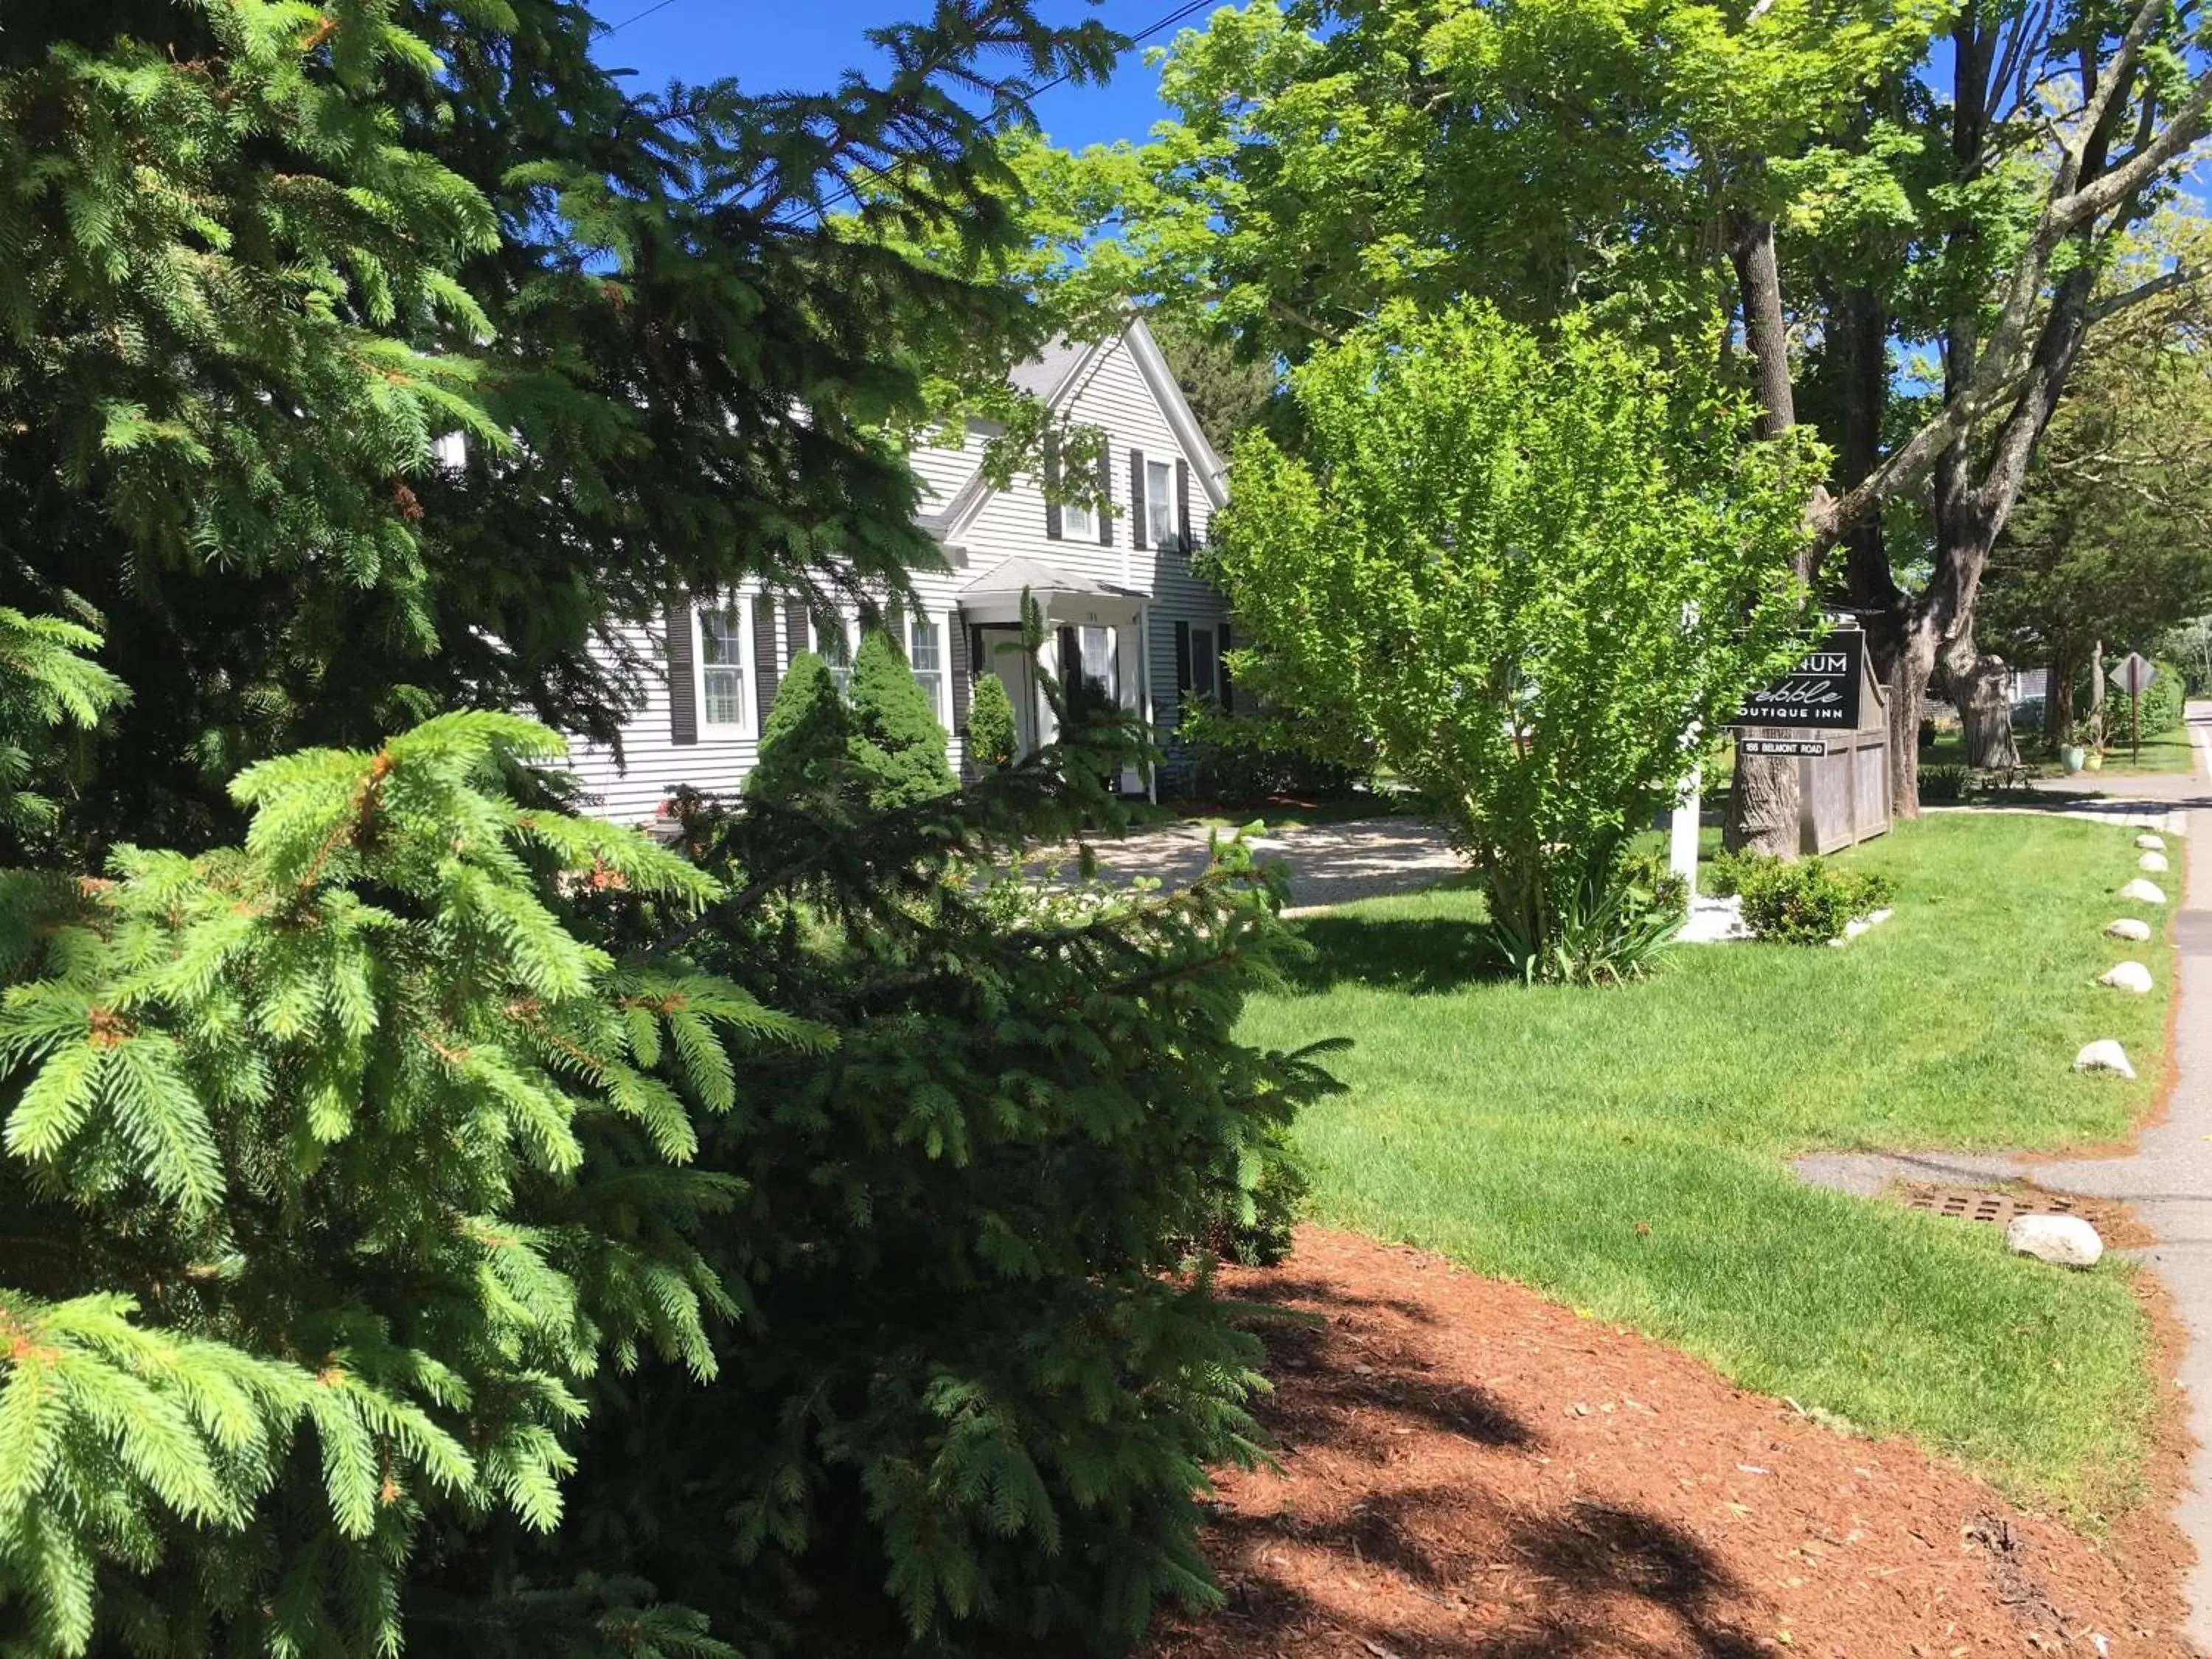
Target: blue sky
773, 45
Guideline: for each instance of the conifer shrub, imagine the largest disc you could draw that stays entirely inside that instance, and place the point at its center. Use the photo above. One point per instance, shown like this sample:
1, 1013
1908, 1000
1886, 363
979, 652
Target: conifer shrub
990, 745
458, 1224
806, 746
898, 744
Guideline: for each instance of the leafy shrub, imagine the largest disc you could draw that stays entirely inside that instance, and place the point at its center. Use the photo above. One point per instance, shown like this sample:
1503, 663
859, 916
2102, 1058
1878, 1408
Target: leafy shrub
990, 743
1608, 930
1808, 902
2027, 714
1569, 530
1244, 759
1946, 783
898, 747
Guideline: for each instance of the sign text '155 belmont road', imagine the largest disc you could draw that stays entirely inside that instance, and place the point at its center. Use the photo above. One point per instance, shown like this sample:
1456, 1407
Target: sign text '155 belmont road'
1822, 692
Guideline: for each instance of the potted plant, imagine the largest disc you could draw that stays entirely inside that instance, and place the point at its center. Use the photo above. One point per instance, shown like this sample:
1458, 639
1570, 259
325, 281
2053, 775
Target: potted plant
2073, 753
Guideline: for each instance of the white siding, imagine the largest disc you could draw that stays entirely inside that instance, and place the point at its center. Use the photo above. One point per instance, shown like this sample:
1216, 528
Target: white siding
1112, 393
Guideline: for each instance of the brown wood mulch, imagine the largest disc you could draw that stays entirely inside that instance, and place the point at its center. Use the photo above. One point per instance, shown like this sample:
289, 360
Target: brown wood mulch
1470, 1469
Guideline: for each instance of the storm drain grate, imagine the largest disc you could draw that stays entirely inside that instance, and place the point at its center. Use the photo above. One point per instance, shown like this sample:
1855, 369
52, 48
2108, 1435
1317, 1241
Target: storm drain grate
1965, 1204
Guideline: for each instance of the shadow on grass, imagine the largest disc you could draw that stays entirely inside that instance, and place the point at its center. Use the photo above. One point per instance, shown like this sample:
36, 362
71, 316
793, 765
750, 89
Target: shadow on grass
1417, 954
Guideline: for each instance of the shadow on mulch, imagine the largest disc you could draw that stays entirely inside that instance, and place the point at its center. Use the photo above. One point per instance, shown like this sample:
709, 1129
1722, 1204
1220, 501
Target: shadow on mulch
1467, 1471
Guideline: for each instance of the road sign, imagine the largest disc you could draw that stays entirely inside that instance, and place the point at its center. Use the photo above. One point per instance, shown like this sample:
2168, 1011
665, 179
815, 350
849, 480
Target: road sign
1812, 746
2134, 676
1822, 692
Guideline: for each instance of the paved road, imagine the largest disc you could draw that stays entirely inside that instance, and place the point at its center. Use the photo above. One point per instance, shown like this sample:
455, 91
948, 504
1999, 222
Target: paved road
2167, 1178
1330, 862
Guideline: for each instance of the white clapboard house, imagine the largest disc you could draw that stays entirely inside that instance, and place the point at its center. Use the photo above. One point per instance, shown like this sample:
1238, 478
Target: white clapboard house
1116, 590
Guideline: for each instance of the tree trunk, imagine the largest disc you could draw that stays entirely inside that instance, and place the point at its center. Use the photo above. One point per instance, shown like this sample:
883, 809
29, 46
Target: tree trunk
1981, 687
2097, 695
1762, 806
1903, 651
2058, 700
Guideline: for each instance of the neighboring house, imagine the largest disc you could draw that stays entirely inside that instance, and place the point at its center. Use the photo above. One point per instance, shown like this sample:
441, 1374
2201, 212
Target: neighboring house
1119, 598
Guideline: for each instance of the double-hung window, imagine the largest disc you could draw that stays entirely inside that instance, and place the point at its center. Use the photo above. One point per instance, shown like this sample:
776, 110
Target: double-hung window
722, 666
1204, 664
1160, 505
928, 668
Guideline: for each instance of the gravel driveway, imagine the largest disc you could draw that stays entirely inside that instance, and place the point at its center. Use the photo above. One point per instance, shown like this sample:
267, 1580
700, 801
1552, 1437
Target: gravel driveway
1330, 862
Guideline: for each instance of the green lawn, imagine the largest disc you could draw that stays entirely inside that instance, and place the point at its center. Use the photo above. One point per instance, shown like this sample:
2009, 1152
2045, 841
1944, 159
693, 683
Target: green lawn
2169, 752
1625, 1151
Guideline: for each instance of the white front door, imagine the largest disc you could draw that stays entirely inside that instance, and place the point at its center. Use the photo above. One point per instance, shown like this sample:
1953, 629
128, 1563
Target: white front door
1016, 670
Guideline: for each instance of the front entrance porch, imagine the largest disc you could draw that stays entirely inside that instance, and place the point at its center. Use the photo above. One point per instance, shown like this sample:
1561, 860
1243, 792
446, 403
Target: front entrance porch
1095, 633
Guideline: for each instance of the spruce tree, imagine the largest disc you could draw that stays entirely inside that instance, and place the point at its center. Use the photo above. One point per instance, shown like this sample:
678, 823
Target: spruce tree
806, 747
990, 745
898, 744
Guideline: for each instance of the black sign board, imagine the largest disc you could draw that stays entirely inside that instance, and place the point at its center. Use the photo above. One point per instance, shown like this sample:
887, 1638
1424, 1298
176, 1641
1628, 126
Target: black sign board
1781, 746
1821, 692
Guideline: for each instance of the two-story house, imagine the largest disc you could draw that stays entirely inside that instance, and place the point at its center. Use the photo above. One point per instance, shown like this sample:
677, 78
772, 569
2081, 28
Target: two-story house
1119, 598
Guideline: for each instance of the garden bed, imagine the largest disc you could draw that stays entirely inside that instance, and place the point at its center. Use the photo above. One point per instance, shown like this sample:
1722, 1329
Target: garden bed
1470, 1469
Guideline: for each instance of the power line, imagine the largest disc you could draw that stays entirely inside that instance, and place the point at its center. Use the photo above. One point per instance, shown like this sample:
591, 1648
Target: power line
658, 5
850, 191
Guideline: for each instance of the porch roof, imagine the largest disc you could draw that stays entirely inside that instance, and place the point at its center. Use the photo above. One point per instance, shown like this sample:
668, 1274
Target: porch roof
1005, 582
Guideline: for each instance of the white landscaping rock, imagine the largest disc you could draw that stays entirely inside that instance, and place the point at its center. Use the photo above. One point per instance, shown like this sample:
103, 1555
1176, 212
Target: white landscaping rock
2153, 862
2063, 1241
2150, 843
2142, 892
2128, 976
2104, 1056
2127, 927
1714, 922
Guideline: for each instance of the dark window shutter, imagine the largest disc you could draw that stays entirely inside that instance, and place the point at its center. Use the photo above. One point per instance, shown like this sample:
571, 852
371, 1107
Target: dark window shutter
1105, 495
794, 631
1071, 663
1228, 692
764, 674
956, 637
1051, 486
1137, 527
682, 683
1182, 668
1183, 503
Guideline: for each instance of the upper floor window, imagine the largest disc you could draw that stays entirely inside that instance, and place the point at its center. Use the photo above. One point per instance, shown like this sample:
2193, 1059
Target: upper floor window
722, 665
1078, 523
928, 668
1159, 504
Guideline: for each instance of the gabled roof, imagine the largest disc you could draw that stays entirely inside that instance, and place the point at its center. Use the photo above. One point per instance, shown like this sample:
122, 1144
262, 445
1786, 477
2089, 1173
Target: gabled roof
1055, 375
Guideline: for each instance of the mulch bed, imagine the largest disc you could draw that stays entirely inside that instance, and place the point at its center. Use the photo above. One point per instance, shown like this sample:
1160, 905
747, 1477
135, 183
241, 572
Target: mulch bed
1470, 1469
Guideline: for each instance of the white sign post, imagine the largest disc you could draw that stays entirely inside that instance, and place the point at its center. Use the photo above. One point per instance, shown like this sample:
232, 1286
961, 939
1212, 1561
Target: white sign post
1682, 836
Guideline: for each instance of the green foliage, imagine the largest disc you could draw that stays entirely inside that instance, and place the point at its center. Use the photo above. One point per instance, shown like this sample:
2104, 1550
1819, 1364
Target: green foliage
2164, 701
1253, 759
898, 744
806, 747
440, 1213
47, 684
1516, 571
282, 253
1807, 902
351, 1169
990, 743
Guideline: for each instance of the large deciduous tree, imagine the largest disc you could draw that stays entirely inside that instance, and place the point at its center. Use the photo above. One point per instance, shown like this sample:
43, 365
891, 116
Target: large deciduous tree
1795, 188
1522, 566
